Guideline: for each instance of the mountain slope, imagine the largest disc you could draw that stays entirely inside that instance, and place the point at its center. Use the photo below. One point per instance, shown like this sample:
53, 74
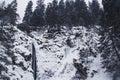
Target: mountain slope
56, 53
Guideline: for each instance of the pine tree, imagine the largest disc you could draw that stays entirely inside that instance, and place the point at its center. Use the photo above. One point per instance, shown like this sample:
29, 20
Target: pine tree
2, 13
77, 9
96, 12
11, 11
110, 51
69, 13
112, 12
111, 39
52, 14
9, 14
28, 13
55, 12
48, 14
61, 13
37, 18
6, 39
82, 13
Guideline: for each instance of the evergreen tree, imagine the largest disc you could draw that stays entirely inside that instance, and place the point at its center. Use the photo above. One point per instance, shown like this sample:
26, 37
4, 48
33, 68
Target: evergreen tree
37, 18
6, 39
9, 14
96, 12
52, 14
11, 11
111, 38
2, 13
82, 13
55, 12
69, 12
112, 12
110, 51
28, 13
61, 13
48, 14
73, 13
77, 8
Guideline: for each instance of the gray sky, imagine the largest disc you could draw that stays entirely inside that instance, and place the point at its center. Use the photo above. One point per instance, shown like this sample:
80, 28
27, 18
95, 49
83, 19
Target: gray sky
22, 5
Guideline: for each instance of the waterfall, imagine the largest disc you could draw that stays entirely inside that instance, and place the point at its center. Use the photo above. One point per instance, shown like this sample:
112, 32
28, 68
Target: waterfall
34, 64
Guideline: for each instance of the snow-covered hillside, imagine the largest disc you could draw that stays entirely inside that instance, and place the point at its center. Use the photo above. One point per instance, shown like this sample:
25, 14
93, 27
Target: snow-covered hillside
55, 56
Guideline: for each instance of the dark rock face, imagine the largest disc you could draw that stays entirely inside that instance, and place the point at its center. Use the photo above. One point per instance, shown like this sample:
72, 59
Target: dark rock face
81, 70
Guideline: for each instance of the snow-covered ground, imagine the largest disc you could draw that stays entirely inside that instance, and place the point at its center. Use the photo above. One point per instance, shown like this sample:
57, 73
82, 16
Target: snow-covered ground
97, 66
55, 57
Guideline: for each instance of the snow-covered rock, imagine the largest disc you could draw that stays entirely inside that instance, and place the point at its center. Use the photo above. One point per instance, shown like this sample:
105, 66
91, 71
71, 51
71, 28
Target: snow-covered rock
54, 56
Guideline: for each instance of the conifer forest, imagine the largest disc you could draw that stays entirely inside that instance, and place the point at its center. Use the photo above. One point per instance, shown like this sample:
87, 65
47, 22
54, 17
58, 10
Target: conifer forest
60, 40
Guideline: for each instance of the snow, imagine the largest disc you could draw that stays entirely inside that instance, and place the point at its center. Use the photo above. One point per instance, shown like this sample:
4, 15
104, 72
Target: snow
55, 57
22, 70
97, 66
56, 62
19, 73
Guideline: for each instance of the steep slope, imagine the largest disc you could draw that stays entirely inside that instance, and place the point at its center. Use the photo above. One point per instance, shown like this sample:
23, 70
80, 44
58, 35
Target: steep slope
15, 57
98, 73
55, 54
